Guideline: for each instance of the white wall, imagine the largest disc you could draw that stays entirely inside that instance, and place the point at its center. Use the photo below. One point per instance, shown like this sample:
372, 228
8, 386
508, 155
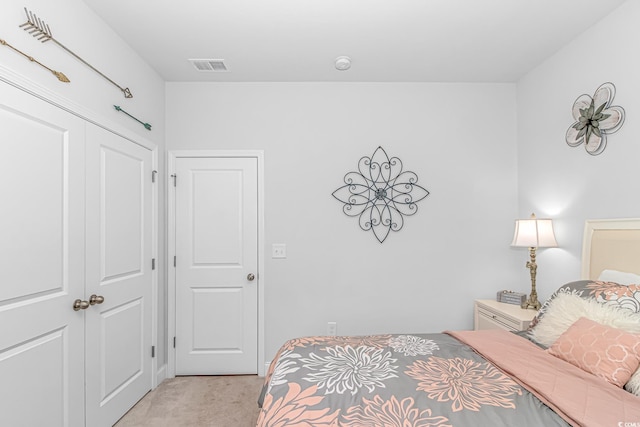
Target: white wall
458, 138
566, 183
74, 25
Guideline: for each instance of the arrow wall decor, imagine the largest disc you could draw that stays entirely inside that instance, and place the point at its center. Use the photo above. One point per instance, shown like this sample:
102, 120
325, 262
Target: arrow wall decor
147, 126
58, 74
41, 31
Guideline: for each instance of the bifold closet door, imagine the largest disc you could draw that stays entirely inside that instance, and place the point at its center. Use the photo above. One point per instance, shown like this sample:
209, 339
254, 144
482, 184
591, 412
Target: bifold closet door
118, 244
41, 263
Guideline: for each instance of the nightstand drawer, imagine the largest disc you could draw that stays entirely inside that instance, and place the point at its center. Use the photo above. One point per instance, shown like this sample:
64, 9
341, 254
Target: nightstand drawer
488, 319
490, 314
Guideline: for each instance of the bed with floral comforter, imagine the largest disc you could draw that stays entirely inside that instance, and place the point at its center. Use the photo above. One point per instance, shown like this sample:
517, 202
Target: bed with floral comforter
469, 378
393, 380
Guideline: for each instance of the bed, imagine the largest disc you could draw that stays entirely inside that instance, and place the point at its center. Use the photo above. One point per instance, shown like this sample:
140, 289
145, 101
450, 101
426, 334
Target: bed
578, 364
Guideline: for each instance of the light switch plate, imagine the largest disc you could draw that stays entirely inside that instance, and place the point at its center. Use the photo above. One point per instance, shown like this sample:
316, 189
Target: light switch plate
278, 250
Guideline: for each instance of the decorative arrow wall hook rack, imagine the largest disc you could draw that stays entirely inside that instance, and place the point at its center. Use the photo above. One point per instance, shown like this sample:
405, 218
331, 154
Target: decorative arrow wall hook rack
41, 31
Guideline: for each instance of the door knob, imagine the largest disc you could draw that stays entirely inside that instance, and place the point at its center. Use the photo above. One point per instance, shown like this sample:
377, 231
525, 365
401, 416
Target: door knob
251, 277
80, 305
96, 299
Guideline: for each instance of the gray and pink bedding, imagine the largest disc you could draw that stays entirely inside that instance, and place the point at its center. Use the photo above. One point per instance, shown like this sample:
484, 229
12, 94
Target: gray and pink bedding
466, 378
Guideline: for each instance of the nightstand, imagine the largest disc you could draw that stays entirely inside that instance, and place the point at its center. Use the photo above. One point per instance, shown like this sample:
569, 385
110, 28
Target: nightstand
490, 314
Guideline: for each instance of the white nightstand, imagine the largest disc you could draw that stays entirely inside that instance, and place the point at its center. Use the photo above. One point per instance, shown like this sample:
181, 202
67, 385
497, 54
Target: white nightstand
490, 314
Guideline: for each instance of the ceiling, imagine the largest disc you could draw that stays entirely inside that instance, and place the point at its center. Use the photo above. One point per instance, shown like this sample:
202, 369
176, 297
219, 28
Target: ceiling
387, 40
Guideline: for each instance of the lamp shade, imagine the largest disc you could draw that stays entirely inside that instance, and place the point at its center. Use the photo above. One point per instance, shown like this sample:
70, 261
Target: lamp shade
534, 233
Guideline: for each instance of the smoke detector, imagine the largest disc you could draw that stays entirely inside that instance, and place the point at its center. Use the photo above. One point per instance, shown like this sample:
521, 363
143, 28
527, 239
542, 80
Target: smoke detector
343, 63
210, 65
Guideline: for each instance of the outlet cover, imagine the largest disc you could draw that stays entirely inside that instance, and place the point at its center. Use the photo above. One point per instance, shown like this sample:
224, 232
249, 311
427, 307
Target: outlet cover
332, 328
278, 250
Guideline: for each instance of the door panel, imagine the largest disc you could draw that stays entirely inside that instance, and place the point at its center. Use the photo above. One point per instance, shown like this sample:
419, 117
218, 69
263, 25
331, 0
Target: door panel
41, 263
45, 357
118, 242
34, 196
122, 223
122, 367
217, 319
217, 217
216, 249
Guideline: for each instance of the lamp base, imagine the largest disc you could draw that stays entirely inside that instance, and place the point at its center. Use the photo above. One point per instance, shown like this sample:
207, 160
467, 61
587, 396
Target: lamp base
532, 302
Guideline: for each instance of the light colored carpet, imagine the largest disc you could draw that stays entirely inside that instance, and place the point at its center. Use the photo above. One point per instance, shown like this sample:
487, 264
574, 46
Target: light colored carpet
220, 401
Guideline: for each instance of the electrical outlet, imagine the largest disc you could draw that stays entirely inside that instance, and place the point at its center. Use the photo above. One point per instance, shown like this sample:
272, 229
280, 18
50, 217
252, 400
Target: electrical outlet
278, 250
332, 329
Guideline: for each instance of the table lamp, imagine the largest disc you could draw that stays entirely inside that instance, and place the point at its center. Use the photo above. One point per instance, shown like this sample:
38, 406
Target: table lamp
533, 233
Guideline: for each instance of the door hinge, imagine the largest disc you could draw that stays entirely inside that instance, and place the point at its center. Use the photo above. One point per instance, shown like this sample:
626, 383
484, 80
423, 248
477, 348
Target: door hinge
174, 342
153, 351
153, 263
175, 179
174, 260
153, 176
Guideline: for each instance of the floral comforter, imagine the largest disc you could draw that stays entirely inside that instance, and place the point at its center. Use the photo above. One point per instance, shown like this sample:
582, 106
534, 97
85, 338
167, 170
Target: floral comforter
393, 380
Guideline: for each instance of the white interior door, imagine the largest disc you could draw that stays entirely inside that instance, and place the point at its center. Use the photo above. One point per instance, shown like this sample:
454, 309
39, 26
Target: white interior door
118, 245
41, 263
216, 235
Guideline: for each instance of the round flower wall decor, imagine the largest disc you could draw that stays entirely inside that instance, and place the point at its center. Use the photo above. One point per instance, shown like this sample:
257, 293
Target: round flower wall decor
595, 118
380, 194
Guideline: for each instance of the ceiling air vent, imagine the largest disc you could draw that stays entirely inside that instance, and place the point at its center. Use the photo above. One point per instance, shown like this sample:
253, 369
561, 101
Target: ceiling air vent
210, 65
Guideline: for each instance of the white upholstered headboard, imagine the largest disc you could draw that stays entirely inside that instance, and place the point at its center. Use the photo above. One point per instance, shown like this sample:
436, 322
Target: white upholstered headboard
612, 244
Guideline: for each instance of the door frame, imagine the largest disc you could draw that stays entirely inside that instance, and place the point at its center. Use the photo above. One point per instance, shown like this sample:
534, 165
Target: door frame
171, 247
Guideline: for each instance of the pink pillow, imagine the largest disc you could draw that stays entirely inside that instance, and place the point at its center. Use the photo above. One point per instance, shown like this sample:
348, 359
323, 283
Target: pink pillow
606, 352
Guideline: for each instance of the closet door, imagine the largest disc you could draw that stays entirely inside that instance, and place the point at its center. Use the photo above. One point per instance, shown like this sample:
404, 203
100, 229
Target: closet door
118, 245
41, 263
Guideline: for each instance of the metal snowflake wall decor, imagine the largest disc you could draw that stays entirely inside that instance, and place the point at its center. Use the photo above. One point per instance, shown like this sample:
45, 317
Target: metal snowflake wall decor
595, 119
380, 194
